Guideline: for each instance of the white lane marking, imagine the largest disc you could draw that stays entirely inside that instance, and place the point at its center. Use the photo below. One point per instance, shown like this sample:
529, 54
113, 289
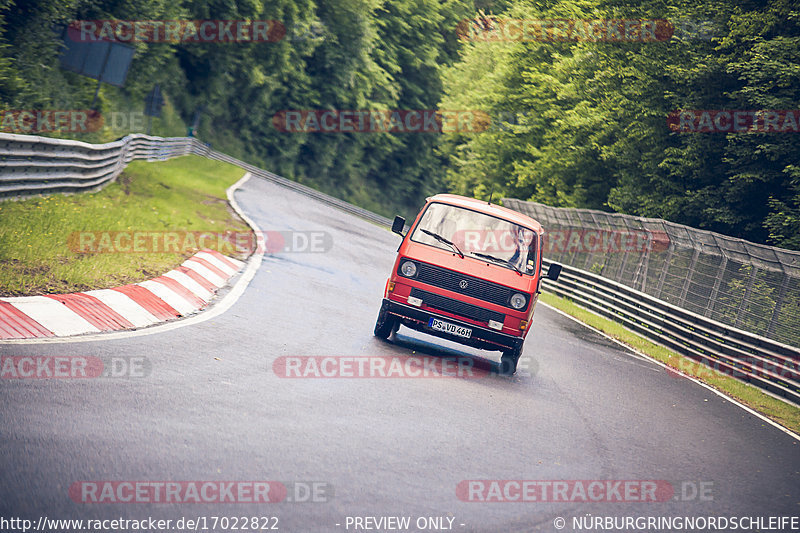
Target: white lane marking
217, 262
194, 287
52, 314
206, 273
630, 350
173, 299
125, 306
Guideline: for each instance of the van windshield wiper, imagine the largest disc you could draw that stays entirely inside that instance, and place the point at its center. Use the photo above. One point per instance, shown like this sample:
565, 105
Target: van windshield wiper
443, 240
497, 260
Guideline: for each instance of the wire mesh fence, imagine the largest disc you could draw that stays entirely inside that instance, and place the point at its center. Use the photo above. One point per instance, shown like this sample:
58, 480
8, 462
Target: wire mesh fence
748, 286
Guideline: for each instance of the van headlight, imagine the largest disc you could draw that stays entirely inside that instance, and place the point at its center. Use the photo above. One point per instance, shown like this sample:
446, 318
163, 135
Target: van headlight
408, 269
518, 300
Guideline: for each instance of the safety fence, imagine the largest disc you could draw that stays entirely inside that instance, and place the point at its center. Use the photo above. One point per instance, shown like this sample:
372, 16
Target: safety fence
747, 286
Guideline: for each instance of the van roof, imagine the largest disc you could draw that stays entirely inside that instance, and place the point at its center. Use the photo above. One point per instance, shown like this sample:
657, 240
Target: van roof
487, 208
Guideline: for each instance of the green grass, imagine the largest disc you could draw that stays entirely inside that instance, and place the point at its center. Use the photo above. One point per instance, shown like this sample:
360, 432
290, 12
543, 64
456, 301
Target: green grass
785, 414
186, 193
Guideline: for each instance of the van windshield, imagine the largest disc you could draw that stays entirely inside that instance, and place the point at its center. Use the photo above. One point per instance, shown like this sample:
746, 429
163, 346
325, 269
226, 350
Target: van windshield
474, 233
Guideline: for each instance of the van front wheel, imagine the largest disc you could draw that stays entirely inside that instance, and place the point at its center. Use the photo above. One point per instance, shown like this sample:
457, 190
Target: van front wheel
508, 363
385, 324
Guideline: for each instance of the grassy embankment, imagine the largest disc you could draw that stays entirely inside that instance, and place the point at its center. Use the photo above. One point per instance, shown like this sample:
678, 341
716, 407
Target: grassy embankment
37, 255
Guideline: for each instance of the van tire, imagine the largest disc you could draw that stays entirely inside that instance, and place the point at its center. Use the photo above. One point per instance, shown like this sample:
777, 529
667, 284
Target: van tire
385, 325
508, 363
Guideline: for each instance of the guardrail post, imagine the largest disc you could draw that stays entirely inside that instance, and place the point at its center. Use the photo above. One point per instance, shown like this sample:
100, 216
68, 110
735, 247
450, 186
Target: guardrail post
776, 311
644, 264
664, 270
712, 300
590, 253
688, 280
746, 296
624, 262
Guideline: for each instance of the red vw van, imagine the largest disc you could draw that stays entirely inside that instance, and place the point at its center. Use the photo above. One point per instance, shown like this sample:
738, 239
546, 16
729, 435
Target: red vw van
468, 271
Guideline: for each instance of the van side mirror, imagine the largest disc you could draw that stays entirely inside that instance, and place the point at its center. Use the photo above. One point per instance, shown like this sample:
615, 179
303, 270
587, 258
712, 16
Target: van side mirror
553, 271
398, 225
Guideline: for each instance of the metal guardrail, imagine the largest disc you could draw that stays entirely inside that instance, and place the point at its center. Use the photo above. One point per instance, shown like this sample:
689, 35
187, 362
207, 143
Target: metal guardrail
765, 363
31, 165
41, 165
38, 165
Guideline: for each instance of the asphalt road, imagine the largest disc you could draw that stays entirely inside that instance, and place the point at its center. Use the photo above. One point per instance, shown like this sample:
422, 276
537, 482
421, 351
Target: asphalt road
212, 408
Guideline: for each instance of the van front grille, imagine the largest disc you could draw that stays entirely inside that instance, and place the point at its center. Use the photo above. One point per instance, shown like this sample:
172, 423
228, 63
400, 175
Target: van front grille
443, 303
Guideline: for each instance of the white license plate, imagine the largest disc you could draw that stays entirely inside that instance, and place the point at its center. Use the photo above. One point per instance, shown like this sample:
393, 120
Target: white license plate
447, 327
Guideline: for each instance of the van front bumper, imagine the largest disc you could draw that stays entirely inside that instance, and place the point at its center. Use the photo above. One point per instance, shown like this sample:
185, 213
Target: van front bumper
418, 319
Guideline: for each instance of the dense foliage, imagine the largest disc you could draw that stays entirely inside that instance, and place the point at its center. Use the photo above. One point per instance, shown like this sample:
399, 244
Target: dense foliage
577, 123
338, 54
585, 123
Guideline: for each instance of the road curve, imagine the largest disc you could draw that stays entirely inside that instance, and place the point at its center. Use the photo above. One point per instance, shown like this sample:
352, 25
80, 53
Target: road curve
212, 408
